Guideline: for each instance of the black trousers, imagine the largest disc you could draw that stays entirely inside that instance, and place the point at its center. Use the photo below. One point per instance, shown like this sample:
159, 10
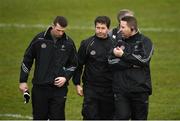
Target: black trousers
48, 102
132, 106
98, 104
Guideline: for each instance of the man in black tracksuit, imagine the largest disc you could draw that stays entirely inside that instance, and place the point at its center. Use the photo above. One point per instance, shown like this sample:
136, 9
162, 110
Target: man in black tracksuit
55, 61
130, 63
97, 78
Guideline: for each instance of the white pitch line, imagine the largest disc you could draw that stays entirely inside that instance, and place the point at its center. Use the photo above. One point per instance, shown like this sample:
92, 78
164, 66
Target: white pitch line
150, 29
16, 116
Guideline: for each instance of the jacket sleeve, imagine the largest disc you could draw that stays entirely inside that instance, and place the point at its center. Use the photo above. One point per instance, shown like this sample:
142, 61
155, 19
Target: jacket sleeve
81, 61
72, 63
27, 62
140, 54
116, 62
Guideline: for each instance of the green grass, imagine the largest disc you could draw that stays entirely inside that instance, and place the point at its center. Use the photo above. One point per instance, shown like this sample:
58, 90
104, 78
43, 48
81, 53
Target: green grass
165, 65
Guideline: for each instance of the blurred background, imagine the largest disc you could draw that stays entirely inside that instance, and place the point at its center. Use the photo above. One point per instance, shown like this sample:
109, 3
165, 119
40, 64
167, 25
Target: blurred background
21, 20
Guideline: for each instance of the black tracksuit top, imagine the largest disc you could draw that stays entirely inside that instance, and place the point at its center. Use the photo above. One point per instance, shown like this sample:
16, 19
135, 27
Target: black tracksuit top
132, 70
93, 55
51, 59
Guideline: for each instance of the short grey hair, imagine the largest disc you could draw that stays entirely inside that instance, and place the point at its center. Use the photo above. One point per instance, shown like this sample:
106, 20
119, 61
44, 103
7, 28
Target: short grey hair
124, 12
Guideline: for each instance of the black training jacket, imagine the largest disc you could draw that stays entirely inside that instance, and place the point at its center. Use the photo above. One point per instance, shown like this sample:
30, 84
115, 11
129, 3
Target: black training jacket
92, 54
132, 70
51, 59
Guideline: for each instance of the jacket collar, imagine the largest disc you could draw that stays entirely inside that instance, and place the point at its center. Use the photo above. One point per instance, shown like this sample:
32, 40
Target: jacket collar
133, 37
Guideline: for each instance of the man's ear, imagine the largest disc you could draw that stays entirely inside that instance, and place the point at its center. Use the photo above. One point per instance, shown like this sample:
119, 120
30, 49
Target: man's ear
132, 28
52, 25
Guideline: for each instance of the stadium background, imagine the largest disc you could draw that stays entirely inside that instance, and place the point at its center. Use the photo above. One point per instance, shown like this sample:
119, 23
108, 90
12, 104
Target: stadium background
20, 20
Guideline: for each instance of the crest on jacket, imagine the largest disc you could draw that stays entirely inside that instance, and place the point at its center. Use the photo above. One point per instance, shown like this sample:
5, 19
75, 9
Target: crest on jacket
93, 52
43, 45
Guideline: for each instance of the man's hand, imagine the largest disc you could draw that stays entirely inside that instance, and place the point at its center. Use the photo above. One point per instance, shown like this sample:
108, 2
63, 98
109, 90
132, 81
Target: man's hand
59, 81
118, 51
23, 87
79, 90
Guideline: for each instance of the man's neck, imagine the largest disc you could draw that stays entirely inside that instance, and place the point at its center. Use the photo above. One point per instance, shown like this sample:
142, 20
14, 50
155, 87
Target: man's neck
133, 33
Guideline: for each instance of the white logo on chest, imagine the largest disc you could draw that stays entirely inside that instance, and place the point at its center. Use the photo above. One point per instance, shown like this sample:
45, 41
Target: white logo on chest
43, 45
93, 52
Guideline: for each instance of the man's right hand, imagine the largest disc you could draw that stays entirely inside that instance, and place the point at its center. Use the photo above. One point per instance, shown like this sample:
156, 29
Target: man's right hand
79, 90
118, 51
23, 87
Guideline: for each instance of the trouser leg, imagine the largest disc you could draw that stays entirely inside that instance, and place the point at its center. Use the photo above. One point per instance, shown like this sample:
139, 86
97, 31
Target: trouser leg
39, 103
90, 109
140, 106
122, 107
57, 108
106, 110
57, 103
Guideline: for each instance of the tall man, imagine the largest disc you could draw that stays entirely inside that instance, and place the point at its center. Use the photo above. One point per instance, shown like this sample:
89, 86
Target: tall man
55, 61
131, 68
97, 78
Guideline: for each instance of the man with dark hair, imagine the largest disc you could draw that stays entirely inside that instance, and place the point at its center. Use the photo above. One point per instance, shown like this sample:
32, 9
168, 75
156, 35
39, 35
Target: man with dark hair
98, 101
131, 69
61, 20
55, 61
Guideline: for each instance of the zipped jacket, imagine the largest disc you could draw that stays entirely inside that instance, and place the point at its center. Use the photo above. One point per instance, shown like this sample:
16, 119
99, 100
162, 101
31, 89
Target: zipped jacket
93, 56
52, 59
132, 70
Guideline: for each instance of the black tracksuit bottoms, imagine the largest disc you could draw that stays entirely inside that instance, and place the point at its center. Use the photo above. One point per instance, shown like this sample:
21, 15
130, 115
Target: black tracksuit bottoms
98, 104
48, 102
132, 106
